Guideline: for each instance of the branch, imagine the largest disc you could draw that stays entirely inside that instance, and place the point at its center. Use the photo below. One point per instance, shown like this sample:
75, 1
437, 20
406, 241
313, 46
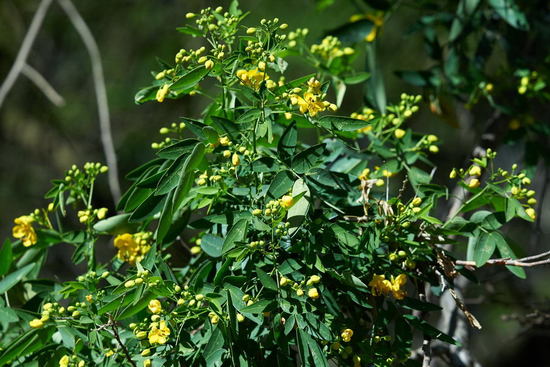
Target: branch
117, 337
41, 83
23, 53
101, 93
505, 262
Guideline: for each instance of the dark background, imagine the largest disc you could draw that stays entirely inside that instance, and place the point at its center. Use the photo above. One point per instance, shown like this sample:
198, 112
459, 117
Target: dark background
39, 141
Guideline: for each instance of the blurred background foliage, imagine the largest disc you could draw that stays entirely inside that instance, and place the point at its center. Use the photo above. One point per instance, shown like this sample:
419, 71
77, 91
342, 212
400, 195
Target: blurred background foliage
467, 58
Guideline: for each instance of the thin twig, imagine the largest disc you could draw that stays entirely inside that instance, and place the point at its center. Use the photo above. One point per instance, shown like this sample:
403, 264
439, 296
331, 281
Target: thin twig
511, 262
41, 83
122, 346
101, 93
23, 53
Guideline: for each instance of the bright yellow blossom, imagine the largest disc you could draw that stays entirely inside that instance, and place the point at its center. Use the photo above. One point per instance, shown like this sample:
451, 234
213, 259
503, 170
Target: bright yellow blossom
159, 334
384, 287
23, 230
252, 78
287, 201
64, 361
155, 306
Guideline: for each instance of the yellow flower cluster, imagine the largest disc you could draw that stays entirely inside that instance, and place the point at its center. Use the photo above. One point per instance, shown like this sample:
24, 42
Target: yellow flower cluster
132, 247
367, 114
24, 230
254, 78
346, 335
330, 48
311, 101
159, 332
67, 361
393, 286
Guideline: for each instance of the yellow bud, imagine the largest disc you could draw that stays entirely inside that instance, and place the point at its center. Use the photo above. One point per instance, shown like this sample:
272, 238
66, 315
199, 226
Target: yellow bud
235, 160
147, 363
146, 352
36, 323
475, 171
474, 182
526, 181
313, 293
141, 335
209, 64
50, 207
261, 65
195, 250
240, 318
190, 15
129, 284
532, 201
379, 182
433, 149
399, 133
416, 201
299, 292
251, 30
284, 281
531, 213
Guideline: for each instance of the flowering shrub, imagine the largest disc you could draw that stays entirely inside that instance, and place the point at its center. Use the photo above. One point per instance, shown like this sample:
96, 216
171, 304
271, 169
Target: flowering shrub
244, 242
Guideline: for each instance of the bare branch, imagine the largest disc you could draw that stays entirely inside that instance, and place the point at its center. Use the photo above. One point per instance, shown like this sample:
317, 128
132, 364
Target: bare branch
505, 262
41, 83
101, 94
26, 46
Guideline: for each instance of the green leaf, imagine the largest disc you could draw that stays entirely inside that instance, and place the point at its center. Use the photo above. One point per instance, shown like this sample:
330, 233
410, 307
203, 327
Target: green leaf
213, 350
309, 158
339, 123
510, 12
236, 234
13, 278
27, 343
356, 78
178, 149
189, 79
6, 256
265, 164
507, 252
485, 247
375, 89
186, 180
266, 280
297, 213
190, 31
115, 225
212, 245
287, 143
258, 307
165, 220
280, 185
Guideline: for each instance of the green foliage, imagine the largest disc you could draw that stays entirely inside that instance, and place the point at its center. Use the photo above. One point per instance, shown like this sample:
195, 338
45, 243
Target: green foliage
245, 243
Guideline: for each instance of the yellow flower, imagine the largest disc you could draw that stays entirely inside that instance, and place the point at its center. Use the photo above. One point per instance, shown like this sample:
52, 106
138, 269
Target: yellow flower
109, 353
346, 335
309, 103
36, 323
155, 306
23, 230
162, 92
64, 361
382, 286
132, 247
159, 334
284, 281
287, 201
364, 174
531, 213
313, 293
252, 78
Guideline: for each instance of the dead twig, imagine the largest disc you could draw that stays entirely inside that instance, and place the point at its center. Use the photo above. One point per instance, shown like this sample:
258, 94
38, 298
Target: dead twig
41, 83
101, 93
26, 46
